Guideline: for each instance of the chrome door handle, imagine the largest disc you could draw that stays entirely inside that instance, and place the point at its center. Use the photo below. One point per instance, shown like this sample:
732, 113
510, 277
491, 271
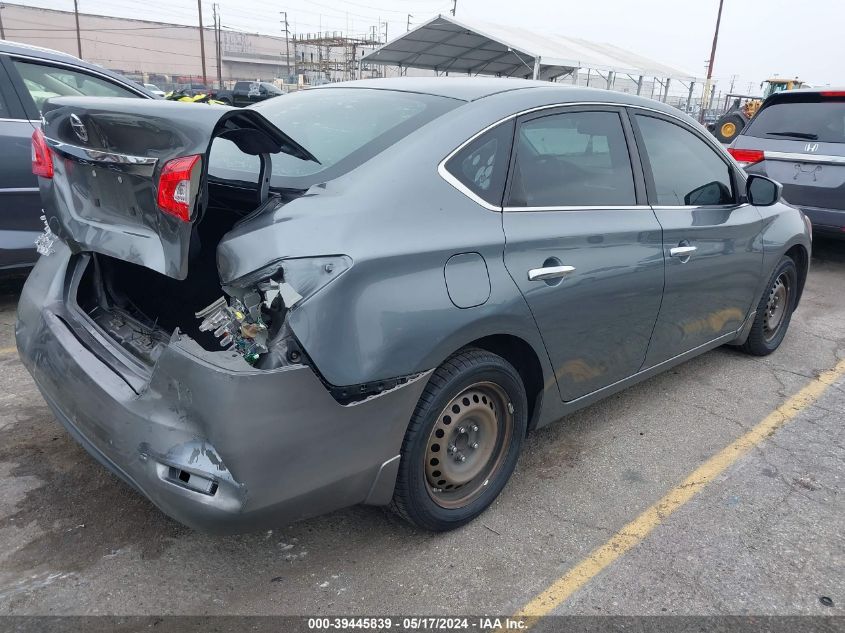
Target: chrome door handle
549, 272
682, 251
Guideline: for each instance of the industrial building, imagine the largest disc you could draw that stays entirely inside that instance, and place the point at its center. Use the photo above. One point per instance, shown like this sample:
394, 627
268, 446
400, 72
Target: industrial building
167, 54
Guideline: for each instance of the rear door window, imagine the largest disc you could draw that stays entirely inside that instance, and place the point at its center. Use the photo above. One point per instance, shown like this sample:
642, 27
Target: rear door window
43, 81
572, 159
685, 171
811, 120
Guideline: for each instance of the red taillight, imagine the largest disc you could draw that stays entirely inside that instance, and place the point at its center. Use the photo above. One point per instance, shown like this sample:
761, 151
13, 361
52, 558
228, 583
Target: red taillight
832, 93
42, 162
177, 188
746, 156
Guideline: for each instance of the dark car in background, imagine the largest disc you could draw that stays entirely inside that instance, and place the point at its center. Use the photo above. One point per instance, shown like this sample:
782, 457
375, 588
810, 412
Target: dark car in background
28, 77
425, 270
245, 93
798, 139
192, 89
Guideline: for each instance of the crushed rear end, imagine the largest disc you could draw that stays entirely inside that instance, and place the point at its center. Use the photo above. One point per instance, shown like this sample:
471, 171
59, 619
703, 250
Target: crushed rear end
185, 382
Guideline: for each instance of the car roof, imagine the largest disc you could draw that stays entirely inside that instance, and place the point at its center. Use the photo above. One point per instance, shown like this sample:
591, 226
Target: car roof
814, 90
48, 54
474, 88
463, 88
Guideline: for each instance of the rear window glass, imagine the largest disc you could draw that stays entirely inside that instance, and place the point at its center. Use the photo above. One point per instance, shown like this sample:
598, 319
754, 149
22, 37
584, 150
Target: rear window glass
43, 81
342, 127
803, 121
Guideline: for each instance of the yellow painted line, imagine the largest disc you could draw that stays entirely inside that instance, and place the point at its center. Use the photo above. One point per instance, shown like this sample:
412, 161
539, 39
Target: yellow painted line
8, 351
642, 526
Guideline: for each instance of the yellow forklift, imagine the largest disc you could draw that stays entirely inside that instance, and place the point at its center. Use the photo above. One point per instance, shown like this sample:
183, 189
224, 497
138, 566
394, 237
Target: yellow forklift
736, 117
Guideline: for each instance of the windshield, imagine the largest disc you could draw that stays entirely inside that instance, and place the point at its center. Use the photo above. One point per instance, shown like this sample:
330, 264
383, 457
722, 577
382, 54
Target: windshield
814, 120
342, 127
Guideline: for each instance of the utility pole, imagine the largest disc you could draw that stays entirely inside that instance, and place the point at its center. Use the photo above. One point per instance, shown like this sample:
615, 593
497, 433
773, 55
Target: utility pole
2, 30
712, 59
454, 6
217, 45
78, 37
202, 40
407, 29
733, 81
287, 43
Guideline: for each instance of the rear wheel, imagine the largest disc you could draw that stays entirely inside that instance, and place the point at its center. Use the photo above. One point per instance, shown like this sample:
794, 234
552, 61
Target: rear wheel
729, 127
774, 312
463, 441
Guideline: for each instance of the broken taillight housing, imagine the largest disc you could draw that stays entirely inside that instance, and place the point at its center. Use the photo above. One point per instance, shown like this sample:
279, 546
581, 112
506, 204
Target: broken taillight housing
300, 277
42, 161
177, 186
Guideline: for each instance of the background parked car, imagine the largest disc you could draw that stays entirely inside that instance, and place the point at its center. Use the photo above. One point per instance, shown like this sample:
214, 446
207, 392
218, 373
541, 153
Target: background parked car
28, 76
154, 89
798, 139
192, 89
247, 92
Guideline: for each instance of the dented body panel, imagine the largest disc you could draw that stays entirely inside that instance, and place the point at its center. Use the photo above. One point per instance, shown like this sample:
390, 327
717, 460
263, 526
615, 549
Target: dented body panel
111, 150
276, 444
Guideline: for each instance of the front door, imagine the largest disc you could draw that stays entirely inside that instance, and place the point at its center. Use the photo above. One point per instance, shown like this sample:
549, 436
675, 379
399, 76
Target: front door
711, 237
582, 245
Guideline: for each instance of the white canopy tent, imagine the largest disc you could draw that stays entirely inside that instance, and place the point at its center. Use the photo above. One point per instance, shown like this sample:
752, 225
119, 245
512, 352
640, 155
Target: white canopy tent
447, 45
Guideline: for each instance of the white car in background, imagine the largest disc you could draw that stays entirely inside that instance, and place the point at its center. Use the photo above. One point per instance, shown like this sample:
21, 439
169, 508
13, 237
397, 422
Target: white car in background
155, 90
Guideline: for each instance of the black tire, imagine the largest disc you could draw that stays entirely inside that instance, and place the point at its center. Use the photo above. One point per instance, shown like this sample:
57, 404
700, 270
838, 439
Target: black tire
722, 130
765, 339
421, 502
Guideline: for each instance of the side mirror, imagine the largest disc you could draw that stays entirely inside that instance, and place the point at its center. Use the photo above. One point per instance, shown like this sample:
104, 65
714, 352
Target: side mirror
762, 191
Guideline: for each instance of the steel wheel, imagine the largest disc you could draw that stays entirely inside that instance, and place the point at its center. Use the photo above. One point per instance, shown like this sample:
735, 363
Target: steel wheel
728, 129
467, 444
777, 305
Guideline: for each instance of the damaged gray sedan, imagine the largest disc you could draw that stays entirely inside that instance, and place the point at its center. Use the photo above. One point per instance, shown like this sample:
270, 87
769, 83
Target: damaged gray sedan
368, 293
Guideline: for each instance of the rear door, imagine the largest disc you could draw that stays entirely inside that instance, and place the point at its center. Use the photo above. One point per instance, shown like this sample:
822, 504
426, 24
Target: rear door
20, 206
798, 139
711, 236
239, 94
582, 244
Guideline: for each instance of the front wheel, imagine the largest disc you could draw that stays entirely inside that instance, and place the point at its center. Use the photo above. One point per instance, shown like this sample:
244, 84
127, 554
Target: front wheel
774, 311
463, 441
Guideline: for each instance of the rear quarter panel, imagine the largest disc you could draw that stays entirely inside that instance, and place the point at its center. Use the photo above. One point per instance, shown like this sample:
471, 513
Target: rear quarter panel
390, 314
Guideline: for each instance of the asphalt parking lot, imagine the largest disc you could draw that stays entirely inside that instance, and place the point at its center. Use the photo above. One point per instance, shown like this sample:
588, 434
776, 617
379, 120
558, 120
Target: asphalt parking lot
764, 537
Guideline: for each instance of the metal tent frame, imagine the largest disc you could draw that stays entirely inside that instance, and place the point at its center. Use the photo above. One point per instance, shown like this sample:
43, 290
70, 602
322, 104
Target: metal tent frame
447, 45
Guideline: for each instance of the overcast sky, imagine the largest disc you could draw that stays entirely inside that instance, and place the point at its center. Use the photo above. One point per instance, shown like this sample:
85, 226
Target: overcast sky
758, 38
